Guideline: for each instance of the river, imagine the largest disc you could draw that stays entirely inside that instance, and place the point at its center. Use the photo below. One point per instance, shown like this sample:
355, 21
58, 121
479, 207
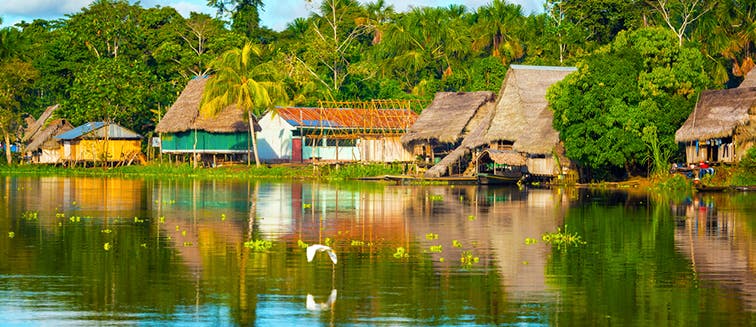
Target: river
108, 251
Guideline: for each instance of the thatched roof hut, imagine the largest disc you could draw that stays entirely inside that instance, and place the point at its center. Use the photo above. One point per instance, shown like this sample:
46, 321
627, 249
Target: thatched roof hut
448, 117
749, 80
43, 139
184, 114
717, 114
522, 115
35, 126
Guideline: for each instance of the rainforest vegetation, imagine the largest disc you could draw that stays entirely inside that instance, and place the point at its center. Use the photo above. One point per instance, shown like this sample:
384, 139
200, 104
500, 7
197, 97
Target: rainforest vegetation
641, 63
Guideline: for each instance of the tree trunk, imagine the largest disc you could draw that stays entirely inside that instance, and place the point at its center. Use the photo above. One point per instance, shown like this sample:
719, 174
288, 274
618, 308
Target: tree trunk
7, 147
253, 134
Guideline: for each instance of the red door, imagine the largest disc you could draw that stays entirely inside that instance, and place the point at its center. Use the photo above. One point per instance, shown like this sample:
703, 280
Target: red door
296, 149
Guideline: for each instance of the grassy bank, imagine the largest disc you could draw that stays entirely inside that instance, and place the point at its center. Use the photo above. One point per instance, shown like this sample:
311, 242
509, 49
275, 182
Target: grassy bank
299, 172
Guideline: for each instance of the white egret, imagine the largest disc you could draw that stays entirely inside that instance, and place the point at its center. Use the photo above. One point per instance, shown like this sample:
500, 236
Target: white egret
311, 305
312, 249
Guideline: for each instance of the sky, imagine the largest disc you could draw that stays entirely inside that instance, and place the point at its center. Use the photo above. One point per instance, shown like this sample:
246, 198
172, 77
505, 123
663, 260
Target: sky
276, 14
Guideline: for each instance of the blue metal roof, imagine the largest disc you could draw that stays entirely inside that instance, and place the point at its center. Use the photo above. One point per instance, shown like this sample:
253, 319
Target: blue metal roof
114, 131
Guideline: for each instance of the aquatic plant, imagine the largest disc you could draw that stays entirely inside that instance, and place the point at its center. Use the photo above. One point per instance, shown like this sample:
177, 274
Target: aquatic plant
436, 248
435, 197
137, 220
106, 231
302, 244
223, 217
431, 236
30, 215
259, 245
456, 244
11, 234
530, 241
468, 259
563, 239
358, 243
106, 246
401, 253
471, 218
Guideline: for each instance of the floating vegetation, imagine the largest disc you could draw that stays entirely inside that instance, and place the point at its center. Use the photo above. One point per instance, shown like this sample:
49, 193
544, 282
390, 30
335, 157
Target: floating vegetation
106, 246
563, 239
358, 243
11, 234
436, 197
60, 215
468, 259
183, 233
258, 245
187, 244
436, 248
137, 220
74, 219
161, 219
223, 217
106, 231
431, 236
144, 245
306, 205
456, 244
328, 241
441, 259
302, 244
401, 253
530, 241
30, 215
471, 218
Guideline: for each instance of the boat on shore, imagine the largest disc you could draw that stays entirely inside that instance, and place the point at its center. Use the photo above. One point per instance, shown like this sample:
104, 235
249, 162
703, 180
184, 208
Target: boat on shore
493, 179
710, 188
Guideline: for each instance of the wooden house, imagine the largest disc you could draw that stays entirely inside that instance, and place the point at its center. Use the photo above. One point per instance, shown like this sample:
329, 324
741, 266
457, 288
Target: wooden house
523, 121
367, 134
183, 131
100, 142
438, 135
40, 144
722, 126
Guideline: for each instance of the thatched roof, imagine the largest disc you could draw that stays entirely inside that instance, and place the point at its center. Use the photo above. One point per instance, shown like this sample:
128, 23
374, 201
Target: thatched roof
184, 114
749, 80
717, 114
521, 105
446, 118
505, 157
450, 159
35, 127
44, 138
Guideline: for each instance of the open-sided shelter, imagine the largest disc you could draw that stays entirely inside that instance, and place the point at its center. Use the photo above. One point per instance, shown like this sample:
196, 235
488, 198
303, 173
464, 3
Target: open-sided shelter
440, 129
367, 133
183, 130
100, 142
722, 126
523, 121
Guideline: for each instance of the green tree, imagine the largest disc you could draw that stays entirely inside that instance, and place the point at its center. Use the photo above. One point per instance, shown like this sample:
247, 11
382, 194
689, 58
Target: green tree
243, 79
245, 14
16, 77
642, 79
495, 30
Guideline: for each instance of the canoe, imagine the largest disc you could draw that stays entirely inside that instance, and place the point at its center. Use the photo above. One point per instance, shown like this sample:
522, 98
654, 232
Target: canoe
490, 179
710, 188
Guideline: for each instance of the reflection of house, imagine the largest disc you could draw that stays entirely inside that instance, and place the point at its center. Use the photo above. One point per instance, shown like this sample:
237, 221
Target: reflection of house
41, 147
184, 131
100, 141
722, 127
335, 134
438, 133
522, 121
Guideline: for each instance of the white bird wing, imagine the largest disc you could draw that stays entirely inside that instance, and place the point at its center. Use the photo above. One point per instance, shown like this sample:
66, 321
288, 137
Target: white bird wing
310, 303
332, 255
331, 298
312, 249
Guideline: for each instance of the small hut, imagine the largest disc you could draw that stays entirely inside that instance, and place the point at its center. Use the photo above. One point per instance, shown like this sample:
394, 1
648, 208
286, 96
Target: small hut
437, 135
43, 148
184, 131
722, 127
367, 133
523, 121
100, 142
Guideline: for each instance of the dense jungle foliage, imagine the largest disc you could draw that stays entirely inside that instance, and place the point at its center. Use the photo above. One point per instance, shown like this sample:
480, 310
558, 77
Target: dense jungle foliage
641, 63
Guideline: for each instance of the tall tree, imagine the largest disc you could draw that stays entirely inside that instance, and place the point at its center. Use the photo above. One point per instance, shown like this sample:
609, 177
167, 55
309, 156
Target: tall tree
245, 14
244, 79
680, 15
495, 30
16, 77
641, 87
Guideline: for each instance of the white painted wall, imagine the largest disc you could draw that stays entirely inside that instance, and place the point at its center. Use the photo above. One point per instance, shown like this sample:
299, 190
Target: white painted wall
274, 141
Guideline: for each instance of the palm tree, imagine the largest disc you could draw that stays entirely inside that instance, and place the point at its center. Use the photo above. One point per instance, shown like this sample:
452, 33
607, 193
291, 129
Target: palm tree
243, 79
495, 29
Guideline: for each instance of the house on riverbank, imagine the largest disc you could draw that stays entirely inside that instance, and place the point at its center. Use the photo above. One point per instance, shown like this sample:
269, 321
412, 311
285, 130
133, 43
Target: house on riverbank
722, 126
184, 132
40, 145
523, 121
100, 142
368, 132
437, 136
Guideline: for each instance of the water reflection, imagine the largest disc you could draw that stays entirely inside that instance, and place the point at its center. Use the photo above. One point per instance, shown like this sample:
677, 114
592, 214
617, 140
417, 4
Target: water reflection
719, 243
173, 251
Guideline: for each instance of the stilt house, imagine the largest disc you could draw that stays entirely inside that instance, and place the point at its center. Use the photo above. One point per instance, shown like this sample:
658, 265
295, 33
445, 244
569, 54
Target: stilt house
100, 142
722, 127
41, 146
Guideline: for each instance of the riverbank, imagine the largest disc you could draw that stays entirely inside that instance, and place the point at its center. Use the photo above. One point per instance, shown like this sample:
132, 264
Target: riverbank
277, 171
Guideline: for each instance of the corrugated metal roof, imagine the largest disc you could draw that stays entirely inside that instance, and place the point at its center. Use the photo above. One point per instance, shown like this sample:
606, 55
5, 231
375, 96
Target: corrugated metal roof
348, 118
95, 130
